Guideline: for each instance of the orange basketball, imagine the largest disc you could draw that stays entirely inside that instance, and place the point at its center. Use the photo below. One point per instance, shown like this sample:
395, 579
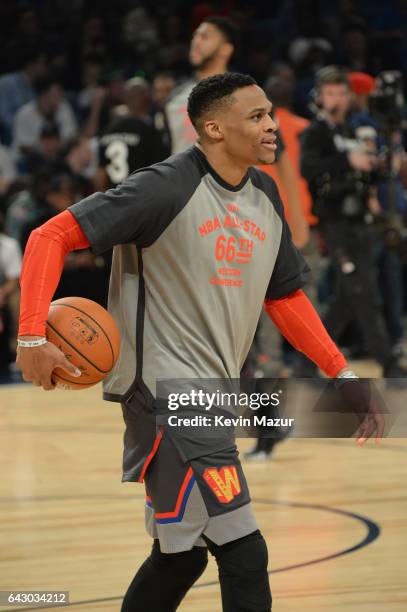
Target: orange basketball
89, 338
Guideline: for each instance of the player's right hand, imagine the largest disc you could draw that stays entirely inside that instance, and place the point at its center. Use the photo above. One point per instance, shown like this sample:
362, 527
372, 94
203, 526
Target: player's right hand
37, 363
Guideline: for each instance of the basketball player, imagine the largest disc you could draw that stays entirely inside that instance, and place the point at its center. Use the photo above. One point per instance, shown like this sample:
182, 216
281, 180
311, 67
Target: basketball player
200, 243
213, 45
131, 141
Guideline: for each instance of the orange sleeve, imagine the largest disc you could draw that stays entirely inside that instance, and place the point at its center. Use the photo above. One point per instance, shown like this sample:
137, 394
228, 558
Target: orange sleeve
42, 268
299, 323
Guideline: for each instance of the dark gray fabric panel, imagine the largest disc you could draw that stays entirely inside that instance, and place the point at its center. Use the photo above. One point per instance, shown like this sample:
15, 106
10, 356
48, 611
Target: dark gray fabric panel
290, 270
139, 209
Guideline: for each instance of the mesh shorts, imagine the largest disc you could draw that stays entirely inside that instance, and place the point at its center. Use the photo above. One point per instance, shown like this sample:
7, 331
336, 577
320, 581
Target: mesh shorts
205, 495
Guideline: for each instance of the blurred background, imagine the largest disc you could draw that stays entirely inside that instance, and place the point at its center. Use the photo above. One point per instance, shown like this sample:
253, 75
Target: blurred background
89, 92
85, 98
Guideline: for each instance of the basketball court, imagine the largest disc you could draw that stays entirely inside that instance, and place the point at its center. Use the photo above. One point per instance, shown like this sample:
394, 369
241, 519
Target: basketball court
334, 515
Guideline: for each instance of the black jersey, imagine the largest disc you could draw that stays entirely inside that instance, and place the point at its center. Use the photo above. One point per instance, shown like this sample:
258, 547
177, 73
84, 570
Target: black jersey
129, 143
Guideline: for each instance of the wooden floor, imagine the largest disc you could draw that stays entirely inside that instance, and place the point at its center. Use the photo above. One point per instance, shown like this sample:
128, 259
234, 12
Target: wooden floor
68, 523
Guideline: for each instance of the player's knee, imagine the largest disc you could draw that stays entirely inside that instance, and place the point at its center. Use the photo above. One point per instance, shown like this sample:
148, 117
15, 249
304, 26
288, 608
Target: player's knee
247, 554
243, 564
173, 573
187, 563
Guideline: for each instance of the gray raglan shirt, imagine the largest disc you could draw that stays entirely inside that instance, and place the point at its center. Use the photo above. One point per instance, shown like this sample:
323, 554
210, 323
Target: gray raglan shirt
194, 258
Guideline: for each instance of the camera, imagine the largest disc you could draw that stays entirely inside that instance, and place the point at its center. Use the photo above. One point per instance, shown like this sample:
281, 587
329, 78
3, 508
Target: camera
386, 102
349, 193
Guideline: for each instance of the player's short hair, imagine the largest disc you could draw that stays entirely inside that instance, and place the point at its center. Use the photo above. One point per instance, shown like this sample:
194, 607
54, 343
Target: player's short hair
228, 29
214, 93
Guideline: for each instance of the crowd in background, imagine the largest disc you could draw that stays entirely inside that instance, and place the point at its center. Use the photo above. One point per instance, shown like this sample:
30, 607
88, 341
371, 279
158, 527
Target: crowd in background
72, 73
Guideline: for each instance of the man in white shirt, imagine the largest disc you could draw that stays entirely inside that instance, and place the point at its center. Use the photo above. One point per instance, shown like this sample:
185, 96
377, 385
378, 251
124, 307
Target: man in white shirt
49, 108
7, 169
17, 88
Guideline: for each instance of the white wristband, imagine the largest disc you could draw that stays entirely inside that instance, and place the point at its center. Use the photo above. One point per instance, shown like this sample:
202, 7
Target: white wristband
347, 374
31, 343
344, 376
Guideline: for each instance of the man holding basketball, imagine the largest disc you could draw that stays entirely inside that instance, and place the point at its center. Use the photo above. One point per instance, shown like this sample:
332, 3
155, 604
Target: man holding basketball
200, 243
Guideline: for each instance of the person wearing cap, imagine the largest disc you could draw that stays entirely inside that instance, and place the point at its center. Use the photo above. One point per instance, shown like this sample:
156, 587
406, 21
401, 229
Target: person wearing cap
389, 200
339, 171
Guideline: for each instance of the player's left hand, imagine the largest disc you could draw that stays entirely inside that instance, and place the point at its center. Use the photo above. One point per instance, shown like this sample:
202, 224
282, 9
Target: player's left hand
357, 395
372, 424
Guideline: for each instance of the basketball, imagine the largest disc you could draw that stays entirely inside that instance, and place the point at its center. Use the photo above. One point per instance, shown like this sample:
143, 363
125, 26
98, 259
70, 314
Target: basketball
89, 338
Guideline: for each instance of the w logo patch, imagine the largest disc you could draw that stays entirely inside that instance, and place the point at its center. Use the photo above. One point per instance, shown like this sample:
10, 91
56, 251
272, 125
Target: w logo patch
224, 482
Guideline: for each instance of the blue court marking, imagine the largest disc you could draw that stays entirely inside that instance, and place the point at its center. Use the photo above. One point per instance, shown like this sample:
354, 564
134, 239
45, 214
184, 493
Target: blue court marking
372, 533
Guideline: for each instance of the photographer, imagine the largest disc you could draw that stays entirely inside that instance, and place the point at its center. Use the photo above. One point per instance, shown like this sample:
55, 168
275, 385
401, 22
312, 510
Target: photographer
378, 110
339, 172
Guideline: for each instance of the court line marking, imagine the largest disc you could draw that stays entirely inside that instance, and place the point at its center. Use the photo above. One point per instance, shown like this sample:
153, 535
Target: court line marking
373, 532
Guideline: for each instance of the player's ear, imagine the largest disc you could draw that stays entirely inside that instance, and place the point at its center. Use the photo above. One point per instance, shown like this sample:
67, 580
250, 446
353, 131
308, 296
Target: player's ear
212, 130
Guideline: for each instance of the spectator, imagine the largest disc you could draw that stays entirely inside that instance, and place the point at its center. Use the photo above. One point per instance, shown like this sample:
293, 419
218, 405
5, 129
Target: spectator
139, 32
339, 174
59, 195
355, 47
7, 169
17, 89
49, 149
172, 53
10, 266
92, 70
94, 36
281, 91
130, 142
28, 25
307, 56
49, 108
390, 205
163, 86
84, 275
78, 160
104, 102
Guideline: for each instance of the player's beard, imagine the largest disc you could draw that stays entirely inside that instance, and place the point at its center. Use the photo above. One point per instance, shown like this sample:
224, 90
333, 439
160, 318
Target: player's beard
206, 61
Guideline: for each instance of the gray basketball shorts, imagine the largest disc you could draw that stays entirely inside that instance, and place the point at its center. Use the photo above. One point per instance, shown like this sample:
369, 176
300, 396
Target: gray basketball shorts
205, 495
